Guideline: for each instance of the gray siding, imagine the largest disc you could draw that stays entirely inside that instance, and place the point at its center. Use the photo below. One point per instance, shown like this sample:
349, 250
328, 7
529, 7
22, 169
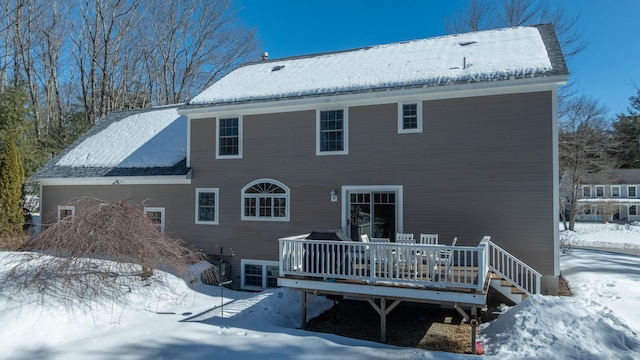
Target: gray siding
481, 166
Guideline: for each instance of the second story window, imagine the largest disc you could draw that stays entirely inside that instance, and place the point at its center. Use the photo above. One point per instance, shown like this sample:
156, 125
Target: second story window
332, 132
599, 191
615, 191
632, 191
409, 117
586, 191
229, 137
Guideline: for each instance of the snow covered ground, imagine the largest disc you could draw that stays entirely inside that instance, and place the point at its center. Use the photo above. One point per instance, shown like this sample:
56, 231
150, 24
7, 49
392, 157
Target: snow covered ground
149, 321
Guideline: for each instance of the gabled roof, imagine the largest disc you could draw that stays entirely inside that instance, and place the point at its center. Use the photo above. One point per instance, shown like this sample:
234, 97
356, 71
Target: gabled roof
149, 142
614, 177
484, 56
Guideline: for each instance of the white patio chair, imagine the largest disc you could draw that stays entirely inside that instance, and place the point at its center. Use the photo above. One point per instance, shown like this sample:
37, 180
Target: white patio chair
364, 238
443, 263
404, 237
382, 256
429, 239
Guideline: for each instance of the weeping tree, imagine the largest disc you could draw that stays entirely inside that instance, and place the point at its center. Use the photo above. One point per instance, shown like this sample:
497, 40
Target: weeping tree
99, 251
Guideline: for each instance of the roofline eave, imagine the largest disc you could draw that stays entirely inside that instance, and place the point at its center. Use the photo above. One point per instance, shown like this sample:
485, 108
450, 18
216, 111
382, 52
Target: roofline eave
116, 180
431, 91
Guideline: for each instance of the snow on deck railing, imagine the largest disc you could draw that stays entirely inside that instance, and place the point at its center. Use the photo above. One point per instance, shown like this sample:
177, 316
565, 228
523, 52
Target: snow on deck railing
519, 274
406, 264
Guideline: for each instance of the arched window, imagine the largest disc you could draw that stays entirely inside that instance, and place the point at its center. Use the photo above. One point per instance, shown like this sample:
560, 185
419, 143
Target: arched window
266, 200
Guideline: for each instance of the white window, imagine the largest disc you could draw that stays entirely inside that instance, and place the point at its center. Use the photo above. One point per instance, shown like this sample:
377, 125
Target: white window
266, 200
66, 212
586, 191
599, 191
258, 274
410, 117
207, 206
156, 215
615, 191
332, 128
229, 135
633, 210
632, 191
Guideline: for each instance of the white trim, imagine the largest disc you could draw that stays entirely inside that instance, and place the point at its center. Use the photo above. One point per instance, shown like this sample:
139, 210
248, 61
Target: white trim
162, 217
122, 180
188, 142
401, 105
216, 205
398, 189
286, 195
237, 156
436, 296
65, 207
555, 182
425, 93
345, 132
264, 264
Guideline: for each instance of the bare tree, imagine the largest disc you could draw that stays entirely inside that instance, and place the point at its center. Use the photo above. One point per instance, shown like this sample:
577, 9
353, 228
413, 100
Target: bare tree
489, 14
80, 59
198, 42
584, 145
126, 58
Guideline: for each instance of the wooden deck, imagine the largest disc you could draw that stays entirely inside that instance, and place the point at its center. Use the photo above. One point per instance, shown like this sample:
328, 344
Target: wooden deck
361, 267
457, 276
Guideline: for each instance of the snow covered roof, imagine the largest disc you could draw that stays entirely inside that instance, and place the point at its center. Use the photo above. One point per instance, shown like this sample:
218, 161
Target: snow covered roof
126, 143
613, 177
503, 54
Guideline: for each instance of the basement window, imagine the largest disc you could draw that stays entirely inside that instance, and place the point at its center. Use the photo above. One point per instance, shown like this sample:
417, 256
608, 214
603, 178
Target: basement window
259, 274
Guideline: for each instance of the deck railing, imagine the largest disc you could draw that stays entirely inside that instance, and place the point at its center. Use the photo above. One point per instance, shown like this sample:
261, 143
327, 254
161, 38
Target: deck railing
519, 274
379, 263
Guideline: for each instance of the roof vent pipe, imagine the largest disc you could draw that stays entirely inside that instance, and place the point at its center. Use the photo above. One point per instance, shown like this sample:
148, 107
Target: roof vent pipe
265, 56
464, 62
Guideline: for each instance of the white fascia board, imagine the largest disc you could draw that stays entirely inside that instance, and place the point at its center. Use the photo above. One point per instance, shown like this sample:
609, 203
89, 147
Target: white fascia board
352, 289
118, 180
425, 93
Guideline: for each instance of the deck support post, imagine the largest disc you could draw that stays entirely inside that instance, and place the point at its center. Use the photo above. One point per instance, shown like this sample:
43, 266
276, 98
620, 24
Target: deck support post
383, 310
464, 313
305, 302
471, 320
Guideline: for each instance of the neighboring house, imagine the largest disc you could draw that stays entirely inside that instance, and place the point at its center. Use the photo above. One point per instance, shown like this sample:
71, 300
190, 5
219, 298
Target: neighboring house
455, 135
612, 195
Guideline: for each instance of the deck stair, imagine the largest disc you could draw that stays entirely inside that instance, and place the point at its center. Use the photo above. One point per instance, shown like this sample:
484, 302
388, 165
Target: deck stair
510, 276
507, 289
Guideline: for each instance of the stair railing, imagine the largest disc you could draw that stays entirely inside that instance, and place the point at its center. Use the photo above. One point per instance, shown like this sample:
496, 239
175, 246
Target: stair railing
512, 269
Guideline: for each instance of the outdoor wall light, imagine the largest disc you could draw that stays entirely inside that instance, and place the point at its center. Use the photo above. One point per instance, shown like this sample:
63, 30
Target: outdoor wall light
334, 196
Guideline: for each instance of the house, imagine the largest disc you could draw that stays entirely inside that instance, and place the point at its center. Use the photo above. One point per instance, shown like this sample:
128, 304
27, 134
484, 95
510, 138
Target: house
612, 195
454, 135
